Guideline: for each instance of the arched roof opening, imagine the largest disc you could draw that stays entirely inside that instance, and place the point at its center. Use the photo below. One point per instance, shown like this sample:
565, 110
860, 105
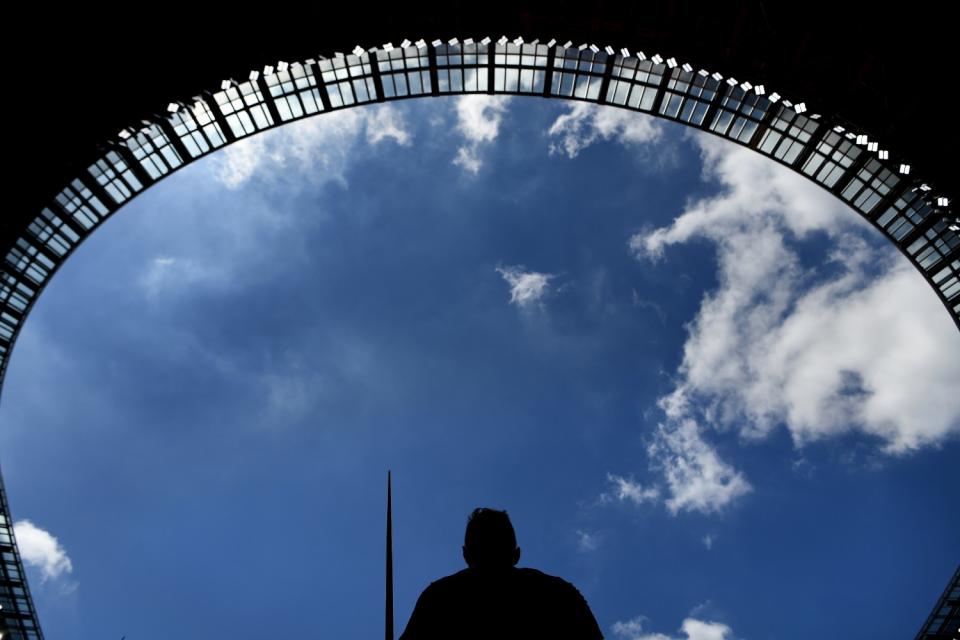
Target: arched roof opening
833, 153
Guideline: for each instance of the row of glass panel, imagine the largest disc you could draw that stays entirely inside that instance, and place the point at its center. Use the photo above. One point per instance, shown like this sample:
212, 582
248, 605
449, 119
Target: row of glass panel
300, 90
17, 614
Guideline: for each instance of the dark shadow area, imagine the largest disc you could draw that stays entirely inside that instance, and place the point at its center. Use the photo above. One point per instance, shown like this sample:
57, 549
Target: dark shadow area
492, 598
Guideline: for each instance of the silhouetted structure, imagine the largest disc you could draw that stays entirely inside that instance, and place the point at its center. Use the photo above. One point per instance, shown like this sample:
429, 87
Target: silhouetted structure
388, 627
847, 159
943, 623
494, 599
18, 618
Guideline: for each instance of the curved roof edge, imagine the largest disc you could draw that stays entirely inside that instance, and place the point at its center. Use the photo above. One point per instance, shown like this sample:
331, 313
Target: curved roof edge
837, 156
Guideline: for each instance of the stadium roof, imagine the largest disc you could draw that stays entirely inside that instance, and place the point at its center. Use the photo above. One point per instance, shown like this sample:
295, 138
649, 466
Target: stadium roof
844, 96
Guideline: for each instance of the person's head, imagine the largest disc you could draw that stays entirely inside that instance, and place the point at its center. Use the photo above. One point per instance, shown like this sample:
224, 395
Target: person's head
490, 541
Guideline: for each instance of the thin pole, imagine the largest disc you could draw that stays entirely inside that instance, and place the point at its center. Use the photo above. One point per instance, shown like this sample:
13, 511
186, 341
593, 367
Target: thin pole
389, 612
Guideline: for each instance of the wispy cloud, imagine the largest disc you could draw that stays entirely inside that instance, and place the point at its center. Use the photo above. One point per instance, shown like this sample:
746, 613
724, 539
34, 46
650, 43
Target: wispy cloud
587, 541
643, 303
527, 288
708, 541
478, 121
386, 123
627, 490
587, 123
234, 245
297, 387
40, 549
291, 394
692, 629
803, 467
166, 274
240, 161
698, 479
754, 192
821, 350
318, 147
632, 629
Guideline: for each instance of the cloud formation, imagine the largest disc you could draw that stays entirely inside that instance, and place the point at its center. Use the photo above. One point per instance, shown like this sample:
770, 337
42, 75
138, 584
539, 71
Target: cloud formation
858, 344
627, 490
586, 123
40, 549
527, 288
478, 121
318, 147
385, 123
166, 274
587, 541
233, 245
696, 476
298, 385
692, 629
632, 629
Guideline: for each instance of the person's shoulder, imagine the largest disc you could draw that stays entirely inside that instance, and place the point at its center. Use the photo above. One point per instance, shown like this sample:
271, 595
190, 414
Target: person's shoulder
446, 583
535, 575
556, 584
565, 597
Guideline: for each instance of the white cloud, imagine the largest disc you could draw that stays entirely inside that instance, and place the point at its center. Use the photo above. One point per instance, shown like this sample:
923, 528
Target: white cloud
238, 248
691, 628
527, 288
586, 123
778, 343
319, 147
700, 630
755, 191
40, 549
708, 541
479, 116
385, 123
822, 350
633, 630
626, 490
698, 479
587, 541
240, 161
468, 159
478, 121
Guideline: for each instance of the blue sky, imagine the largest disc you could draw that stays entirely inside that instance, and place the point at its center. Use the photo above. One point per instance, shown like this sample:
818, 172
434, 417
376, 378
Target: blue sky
706, 392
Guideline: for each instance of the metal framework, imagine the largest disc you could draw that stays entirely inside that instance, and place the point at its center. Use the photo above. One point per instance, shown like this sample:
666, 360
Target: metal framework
832, 153
18, 617
943, 623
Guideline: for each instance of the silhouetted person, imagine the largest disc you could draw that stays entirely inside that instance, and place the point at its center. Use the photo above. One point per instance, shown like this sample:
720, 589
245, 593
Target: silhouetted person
493, 599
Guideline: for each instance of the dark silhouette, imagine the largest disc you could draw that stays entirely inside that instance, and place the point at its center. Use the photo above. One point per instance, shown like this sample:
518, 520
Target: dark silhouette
494, 599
